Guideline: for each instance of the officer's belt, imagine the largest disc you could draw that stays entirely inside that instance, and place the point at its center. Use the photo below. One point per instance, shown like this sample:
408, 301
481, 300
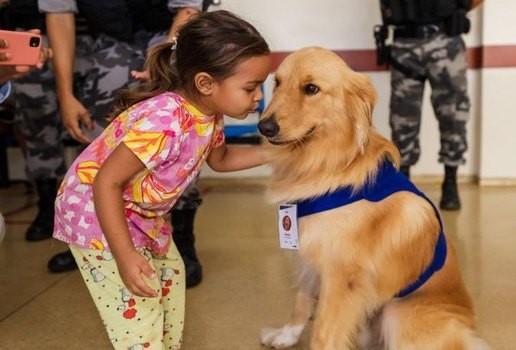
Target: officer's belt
418, 31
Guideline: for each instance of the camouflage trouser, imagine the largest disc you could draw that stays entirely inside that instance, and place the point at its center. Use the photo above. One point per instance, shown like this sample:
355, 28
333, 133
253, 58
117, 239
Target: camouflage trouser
102, 67
441, 60
38, 119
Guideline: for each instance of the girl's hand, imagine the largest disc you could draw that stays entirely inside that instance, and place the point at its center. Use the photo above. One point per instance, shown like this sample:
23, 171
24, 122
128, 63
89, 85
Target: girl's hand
131, 267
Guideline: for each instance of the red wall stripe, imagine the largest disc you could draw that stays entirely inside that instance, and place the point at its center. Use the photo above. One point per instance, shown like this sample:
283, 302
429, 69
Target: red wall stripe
478, 57
499, 56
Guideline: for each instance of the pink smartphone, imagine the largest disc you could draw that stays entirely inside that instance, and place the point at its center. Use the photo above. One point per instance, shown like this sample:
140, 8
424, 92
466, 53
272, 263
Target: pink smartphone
24, 48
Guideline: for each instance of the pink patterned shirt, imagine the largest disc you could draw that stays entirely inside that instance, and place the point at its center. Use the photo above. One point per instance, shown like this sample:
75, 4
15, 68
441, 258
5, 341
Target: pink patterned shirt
171, 138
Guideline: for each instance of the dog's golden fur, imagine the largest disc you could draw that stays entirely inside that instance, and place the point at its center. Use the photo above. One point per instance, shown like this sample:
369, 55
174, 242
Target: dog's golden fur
355, 258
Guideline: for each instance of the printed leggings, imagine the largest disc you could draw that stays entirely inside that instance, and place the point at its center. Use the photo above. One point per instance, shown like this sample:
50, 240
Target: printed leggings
133, 322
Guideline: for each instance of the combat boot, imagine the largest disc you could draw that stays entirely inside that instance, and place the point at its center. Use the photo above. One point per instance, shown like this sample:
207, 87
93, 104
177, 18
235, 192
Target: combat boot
43, 226
450, 193
184, 239
62, 262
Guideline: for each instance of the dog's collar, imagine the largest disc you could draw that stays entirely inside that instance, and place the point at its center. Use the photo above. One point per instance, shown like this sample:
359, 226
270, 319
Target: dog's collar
388, 181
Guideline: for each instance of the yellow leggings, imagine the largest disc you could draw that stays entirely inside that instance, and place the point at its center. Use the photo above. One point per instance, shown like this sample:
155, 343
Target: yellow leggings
133, 322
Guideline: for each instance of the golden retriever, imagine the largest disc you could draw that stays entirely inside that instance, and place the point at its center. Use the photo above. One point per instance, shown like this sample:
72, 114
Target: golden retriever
356, 258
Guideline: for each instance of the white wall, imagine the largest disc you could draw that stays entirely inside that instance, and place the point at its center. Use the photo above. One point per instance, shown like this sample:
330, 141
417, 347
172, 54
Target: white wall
498, 105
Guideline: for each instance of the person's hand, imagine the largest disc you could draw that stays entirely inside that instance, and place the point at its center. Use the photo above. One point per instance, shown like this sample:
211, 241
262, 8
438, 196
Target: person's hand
140, 75
8, 72
131, 266
74, 114
45, 53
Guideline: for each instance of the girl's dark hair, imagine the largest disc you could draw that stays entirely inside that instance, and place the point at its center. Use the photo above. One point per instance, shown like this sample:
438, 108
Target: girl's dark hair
212, 42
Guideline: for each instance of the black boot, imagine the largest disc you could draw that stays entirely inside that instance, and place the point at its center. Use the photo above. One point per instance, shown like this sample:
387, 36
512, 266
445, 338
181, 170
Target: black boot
450, 195
43, 226
183, 235
62, 262
405, 170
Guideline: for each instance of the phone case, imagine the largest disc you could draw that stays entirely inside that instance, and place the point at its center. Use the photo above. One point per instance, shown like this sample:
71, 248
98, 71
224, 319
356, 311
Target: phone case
24, 48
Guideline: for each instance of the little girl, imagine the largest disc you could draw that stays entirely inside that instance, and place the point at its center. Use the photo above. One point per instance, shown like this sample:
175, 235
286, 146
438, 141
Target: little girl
110, 205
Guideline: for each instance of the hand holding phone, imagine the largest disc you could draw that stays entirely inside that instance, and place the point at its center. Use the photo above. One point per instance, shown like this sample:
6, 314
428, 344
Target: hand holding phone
20, 48
14, 63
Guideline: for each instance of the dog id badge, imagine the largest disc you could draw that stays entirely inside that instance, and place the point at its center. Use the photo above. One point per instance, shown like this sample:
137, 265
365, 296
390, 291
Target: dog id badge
287, 224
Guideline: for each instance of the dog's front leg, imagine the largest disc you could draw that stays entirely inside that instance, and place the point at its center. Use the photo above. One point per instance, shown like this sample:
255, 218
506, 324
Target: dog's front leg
343, 303
288, 335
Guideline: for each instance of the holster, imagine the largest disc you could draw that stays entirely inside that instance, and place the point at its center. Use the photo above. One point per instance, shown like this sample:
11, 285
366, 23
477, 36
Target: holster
383, 51
458, 23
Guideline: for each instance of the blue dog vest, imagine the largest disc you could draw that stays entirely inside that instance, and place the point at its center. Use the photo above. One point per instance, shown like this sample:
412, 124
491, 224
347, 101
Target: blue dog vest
387, 182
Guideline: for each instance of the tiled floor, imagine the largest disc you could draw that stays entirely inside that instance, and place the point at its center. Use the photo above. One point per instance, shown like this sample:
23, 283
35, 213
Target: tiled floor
248, 279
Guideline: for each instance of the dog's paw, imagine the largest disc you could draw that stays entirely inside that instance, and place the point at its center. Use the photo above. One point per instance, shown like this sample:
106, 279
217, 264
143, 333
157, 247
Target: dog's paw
280, 338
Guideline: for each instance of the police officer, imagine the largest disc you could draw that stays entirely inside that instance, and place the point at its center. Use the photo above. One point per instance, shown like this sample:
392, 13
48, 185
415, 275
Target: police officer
93, 60
8, 72
427, 45
36, 118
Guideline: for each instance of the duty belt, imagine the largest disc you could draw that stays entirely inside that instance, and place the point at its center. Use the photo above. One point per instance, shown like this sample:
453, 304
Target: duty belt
423, 31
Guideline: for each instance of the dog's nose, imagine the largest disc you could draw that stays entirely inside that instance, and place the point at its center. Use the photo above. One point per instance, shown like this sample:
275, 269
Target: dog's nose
268, 127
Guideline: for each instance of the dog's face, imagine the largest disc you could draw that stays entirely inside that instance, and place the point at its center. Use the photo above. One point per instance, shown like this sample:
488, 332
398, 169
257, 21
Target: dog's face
316, 91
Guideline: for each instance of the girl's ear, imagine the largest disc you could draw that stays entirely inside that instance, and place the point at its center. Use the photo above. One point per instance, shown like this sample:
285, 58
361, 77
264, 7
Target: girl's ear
204, 83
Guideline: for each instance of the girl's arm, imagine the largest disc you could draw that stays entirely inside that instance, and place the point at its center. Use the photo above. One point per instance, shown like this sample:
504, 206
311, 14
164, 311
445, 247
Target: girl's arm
120, 167
224, 158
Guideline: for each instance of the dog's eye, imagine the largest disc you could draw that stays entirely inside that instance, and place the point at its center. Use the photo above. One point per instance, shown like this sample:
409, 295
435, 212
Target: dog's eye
310, 89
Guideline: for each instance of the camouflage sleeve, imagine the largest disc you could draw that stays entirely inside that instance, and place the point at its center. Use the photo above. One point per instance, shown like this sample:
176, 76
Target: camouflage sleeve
173, 5
57, 6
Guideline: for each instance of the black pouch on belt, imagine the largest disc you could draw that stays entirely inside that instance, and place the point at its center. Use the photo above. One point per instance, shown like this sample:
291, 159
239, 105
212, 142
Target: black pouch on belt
458, 23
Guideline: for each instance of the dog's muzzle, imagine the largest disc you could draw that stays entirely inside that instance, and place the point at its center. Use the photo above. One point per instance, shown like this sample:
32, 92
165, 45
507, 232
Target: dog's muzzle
268, 127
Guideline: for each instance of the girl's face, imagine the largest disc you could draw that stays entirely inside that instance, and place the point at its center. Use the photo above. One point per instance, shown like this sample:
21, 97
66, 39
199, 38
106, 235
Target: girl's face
240, 94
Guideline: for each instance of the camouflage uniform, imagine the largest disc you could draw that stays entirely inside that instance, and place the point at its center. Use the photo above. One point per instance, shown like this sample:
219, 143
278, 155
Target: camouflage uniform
442, 60
102, 67
38, 119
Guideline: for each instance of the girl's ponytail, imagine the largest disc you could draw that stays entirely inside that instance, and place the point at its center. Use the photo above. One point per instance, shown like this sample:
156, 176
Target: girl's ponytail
163, 77
161, 65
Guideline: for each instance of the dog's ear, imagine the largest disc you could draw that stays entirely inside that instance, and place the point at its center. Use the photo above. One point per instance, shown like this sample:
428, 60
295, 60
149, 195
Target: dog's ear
360, 97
